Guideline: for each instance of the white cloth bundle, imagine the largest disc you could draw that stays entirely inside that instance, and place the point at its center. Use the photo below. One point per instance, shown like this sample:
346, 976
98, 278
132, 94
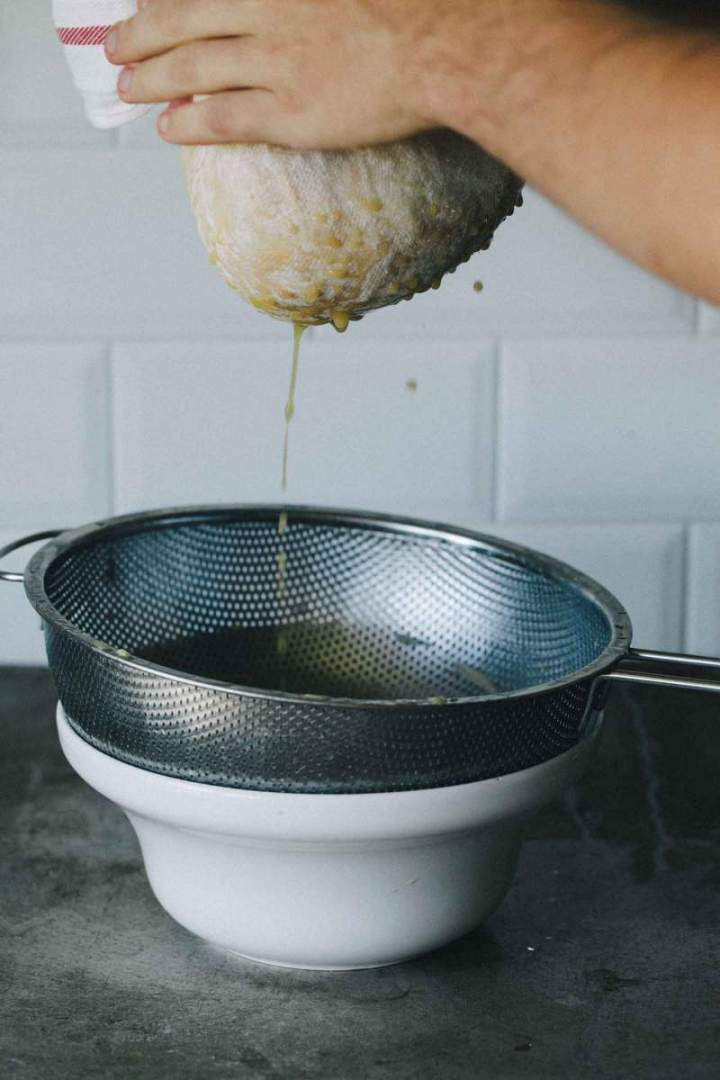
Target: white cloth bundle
317, 237
82, 26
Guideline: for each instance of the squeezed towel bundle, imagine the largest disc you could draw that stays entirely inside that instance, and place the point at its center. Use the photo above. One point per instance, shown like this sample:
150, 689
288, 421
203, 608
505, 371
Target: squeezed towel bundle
82, 26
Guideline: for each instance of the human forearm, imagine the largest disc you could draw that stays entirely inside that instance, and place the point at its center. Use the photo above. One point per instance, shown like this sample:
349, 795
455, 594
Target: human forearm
612, 115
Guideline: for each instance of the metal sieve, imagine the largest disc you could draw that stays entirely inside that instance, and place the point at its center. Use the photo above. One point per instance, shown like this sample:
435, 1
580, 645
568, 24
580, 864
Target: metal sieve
352, 653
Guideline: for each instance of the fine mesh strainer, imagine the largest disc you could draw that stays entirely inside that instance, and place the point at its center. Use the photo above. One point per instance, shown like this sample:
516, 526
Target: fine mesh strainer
349, 653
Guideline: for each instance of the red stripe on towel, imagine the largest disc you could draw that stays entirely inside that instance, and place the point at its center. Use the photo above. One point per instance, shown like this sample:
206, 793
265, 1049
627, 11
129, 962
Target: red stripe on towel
83, 35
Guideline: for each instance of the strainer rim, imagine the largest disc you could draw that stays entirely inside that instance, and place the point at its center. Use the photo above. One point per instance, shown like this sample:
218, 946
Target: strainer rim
617, 617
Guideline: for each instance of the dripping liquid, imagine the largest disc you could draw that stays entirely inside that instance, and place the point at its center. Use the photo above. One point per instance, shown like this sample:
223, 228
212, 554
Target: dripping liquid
298, 331
281, 637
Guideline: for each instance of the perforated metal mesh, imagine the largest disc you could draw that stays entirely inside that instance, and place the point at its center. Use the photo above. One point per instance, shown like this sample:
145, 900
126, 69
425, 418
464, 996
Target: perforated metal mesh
397, 634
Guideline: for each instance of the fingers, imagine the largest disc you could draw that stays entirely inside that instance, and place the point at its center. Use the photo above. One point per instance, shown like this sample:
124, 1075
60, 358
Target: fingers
246, 116
165, 24
202, 67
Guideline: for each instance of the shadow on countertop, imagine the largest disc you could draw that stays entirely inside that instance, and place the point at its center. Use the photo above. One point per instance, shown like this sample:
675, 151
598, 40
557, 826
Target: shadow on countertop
602, 962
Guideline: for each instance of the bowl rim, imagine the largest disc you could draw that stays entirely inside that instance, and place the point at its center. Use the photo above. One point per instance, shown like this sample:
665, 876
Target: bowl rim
300, 817
618, 620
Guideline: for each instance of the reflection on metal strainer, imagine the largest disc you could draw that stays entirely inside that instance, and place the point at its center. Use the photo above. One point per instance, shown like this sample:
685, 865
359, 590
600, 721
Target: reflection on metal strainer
413, 655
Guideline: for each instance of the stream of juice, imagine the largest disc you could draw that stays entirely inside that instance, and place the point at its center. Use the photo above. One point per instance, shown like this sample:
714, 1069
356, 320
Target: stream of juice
298, 331
281, 640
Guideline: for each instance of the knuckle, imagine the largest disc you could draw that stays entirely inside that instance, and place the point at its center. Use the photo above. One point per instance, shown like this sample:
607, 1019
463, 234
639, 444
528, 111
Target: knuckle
123, 33
183, 71
172, 16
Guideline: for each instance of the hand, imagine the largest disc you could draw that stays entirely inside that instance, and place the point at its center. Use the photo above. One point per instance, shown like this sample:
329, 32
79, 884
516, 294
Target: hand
320, 74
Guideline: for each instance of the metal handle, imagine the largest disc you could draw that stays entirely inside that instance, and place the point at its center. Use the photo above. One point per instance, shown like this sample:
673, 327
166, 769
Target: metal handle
667, 669
49, 534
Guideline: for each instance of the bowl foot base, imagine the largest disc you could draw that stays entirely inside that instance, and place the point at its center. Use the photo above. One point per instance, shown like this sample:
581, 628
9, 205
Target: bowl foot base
316, 967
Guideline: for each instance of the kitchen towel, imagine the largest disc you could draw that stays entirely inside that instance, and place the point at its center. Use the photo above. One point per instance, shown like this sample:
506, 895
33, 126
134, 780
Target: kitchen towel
82, 26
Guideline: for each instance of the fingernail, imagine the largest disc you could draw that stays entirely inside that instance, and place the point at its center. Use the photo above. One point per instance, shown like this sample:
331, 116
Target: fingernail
124, 80
163, 123
111, 42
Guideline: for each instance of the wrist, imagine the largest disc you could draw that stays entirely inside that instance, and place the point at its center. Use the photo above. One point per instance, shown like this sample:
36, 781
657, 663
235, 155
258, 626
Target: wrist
483, 65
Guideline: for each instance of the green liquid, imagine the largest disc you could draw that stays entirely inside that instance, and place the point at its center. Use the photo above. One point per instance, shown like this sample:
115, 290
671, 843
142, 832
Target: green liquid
281, 637
298, 331
334, 658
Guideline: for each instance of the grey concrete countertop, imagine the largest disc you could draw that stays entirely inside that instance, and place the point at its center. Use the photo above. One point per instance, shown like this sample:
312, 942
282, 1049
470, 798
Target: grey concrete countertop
602, 962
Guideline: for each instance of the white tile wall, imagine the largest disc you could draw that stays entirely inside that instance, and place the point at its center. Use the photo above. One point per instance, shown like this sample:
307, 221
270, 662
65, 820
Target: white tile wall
703, 624
38, 104
142, 132
197, 422
572, 404
643, 565
21, 638
708, 318
103, 243
204, 421
624, 430
53, 434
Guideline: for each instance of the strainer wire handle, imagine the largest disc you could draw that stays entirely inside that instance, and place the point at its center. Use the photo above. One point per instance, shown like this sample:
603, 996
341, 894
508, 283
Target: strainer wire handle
48, 534
668, 669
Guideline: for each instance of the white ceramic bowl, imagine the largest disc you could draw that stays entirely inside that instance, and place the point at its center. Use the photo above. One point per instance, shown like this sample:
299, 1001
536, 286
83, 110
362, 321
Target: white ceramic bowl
326, 881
